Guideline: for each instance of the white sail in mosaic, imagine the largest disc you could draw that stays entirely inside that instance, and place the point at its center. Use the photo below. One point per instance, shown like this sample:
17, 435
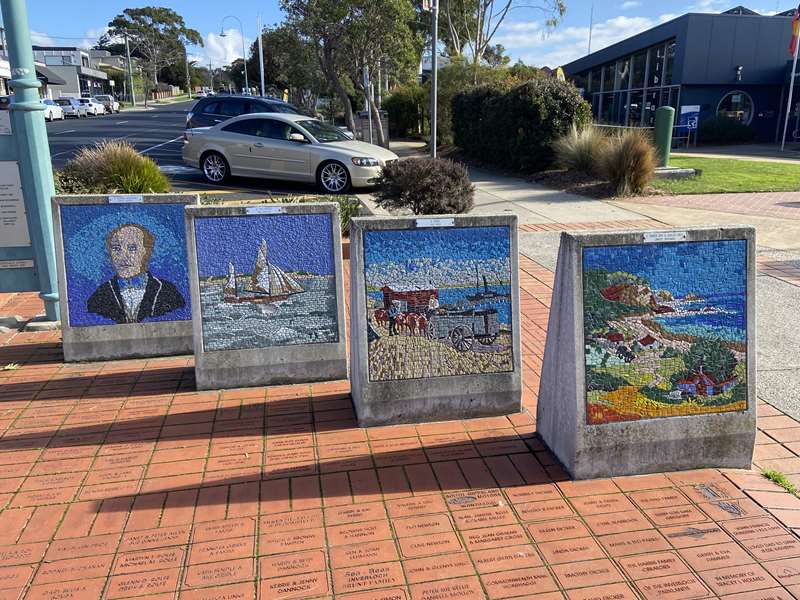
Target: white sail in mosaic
270, 279
230, 291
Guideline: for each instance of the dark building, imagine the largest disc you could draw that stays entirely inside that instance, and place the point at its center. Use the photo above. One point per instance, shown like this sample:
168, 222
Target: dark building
736, 63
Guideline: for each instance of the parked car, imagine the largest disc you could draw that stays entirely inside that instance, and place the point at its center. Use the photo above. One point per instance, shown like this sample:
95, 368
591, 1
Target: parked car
109, 102
210, 111
72, 107
52, 111
284, 146
93, 106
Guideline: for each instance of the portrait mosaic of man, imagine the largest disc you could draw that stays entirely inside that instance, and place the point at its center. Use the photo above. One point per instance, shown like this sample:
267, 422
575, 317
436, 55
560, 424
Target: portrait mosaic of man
125, 264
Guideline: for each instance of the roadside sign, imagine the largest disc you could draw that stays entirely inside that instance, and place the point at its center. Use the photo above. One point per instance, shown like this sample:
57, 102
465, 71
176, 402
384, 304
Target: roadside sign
689, 116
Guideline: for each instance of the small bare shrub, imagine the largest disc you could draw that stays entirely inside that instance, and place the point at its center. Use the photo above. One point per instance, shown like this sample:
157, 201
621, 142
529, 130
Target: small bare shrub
426, 186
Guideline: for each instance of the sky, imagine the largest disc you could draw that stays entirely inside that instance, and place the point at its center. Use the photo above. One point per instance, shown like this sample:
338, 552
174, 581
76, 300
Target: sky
81, 22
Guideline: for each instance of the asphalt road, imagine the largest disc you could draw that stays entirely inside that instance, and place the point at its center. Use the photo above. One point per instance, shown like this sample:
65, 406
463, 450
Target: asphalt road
157, 133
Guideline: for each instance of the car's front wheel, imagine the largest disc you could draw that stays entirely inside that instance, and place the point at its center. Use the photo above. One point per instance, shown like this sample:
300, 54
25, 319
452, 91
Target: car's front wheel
333, 177
215, 167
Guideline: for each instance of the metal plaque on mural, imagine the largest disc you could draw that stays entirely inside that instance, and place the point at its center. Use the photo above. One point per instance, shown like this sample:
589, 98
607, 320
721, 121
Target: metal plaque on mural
13, 223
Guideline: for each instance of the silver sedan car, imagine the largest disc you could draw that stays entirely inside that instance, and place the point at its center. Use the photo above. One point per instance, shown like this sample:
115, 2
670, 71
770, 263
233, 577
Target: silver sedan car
284, 146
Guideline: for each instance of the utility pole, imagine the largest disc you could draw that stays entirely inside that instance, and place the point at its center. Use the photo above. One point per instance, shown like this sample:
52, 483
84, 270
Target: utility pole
130, 70
188, 77
27, 250
211, 76
591, 26
261, 54
434, 74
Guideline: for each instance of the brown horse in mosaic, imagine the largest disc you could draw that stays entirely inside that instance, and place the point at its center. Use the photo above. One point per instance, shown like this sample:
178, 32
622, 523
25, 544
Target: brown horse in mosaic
382, 317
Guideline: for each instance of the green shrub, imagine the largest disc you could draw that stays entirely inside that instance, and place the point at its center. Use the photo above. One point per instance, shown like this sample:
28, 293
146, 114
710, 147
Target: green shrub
408, 108
724, 130
629, 162
426, 186
112, 167
581, 149
516, 128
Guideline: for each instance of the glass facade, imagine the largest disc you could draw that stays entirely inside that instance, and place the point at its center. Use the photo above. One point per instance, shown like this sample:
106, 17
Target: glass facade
628, 90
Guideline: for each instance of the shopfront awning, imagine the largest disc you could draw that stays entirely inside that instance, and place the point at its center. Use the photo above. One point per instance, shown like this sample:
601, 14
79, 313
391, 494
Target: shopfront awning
48, 75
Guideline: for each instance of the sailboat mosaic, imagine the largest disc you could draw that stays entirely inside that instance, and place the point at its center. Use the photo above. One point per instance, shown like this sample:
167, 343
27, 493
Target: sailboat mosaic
266, 280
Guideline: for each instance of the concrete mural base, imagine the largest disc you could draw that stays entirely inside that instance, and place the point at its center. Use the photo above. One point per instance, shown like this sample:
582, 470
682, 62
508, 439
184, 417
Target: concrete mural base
84, 341
644, 445
224, 316
409, 398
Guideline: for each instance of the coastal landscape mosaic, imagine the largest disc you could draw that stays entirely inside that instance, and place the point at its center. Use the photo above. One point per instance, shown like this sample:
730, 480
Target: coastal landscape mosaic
439, 302
266, 280
665, 329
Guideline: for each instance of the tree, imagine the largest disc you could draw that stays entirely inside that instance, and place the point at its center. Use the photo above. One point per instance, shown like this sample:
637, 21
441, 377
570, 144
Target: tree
158, 37
712, 357
474, 23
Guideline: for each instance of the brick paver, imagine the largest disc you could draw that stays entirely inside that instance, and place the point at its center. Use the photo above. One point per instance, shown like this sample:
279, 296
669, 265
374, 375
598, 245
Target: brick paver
779, 205
119, 480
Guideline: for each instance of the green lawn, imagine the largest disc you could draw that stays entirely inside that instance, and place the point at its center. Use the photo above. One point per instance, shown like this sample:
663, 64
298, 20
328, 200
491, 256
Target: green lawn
731, 175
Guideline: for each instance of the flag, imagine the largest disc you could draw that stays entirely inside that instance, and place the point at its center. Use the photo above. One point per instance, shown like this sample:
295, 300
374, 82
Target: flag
795, 31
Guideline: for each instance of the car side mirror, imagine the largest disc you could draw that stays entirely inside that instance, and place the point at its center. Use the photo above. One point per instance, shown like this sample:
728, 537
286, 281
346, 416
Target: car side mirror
297, 137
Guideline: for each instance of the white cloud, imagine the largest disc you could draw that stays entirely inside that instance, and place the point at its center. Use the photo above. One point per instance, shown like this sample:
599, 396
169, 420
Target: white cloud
39, 38
630, 4
88, 40
710, 5
221, 50
532, 43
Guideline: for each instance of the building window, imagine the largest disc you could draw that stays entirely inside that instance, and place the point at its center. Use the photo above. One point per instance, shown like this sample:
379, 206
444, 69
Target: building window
608, 77
637, 71
594, 81
670, 62
736, 105
656, 73
623, 74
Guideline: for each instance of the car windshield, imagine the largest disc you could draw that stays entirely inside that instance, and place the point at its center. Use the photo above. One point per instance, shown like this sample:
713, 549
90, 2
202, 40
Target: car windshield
103, 98
63, 102
278, 107
323, 132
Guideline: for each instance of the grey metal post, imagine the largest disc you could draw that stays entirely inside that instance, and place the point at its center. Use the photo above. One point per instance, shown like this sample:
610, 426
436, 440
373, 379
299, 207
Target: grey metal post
261, 54
434, 69
130, 70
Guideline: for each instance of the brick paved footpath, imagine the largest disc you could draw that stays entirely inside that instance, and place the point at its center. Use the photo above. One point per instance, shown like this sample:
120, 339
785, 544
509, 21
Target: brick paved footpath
118, 480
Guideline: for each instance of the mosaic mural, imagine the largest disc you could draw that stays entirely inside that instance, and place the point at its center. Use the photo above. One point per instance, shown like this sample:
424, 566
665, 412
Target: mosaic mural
266, 280
438, 302
125, 263
665, 329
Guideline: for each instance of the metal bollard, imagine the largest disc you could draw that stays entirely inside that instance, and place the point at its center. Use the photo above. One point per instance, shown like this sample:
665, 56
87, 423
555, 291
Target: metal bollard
665, 117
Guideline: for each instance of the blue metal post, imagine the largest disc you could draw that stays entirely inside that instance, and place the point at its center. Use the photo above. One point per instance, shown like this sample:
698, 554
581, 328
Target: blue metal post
32, 150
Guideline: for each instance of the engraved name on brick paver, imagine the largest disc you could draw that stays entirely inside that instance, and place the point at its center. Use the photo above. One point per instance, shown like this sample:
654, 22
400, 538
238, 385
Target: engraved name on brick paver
72, 590
749, 529
65, 570
678, 587
675, 516
714, 557
781, 546
532, 493
204, 552
634, 542
427, 545
17, 576
465, 499
630, 520
438, 567
363, 554
74, 548
503, 559
291, 455
340, 535
228, 571
367, 577
412, 526
143, 584
484, 517
786, 571
148, 560
355, 513
592, 572
494, 537
405, 507
293, 564
547, 509
659, 498
155, 538
738, 579
387, 594
309, 585
562, 551
286, 541
647, 566
292, 521
464, 588
595, 505
712, 491
234, 591
444, 453
516, 583
610, 591
562, 529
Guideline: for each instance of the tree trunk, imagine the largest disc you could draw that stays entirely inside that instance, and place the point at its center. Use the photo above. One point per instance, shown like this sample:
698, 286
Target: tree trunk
326, 62
377, 125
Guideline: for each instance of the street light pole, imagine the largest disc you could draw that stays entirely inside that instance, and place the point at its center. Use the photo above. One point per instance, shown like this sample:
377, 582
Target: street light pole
261, 54
27, 148
434, 69
130, 70
244, 47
